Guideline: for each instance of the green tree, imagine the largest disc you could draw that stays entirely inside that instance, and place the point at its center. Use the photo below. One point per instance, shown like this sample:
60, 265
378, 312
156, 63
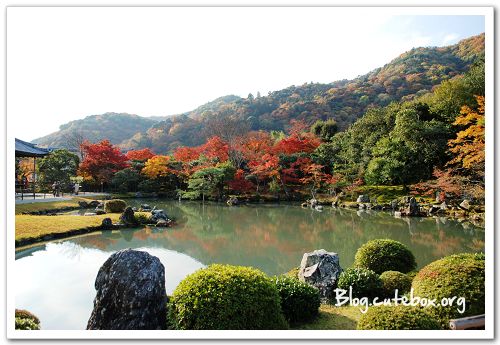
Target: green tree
324, 129
127, 180
59, 166
204, 182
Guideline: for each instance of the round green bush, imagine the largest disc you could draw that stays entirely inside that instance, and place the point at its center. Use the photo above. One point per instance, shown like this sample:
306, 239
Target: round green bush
398, 317
385, 255
460, 275
364, 282
392, 280
299, 301
226, 297
115, 206
293, 273
26, 320
26, 324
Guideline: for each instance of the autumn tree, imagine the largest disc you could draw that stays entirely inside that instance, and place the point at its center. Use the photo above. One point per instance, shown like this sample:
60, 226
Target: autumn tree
102, 161
469, 145
140, 155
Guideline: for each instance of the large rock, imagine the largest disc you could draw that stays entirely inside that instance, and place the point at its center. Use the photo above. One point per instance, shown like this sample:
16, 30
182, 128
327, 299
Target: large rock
130, 293
107, 224
413, 208
233, 201
83, 204
157, 215
128, 217
363, 198
465, 205
94, 204
321, 269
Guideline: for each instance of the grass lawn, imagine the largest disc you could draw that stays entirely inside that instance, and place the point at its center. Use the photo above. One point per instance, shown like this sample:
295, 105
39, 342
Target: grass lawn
331, 317
52, 205
38, 226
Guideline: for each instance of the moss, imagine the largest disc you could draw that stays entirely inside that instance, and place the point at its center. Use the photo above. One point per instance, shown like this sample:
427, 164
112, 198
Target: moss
393, 280
226, 297
385, 255
114, 206
460, 275
397, 318
331, 317
40, 227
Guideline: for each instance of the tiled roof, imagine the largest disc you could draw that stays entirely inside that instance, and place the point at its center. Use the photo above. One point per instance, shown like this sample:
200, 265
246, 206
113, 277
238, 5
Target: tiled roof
25, 149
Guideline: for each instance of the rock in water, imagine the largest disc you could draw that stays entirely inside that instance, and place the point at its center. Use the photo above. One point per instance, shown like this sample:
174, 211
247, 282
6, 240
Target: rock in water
130, 293
107, 224
465, 205
128, 218
321, 269
363, 198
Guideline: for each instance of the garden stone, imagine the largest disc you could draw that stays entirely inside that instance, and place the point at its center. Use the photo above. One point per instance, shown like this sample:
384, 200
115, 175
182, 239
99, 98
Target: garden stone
233, 201
83, 204
107, 224
162, 223
322, 270
90, 214
413, 208
158, 214
128, 218
99, 211
465, 205
363, 198
145, 208
130, 293
94, 203
444, 206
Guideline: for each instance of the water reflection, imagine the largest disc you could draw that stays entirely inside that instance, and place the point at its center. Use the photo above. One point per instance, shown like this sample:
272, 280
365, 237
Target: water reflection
269, 237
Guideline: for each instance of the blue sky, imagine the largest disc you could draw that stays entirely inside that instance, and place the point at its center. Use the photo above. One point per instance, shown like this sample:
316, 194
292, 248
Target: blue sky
438, 30
65, 63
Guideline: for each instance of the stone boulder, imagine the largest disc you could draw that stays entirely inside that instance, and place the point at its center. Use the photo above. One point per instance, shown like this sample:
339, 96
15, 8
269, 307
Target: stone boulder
162, 223
100, 211
465, 205
145, 208
83, 204
233, 201
128, 218
363, 198
322, 270
107, 224
413, 208
156, 215
130, 293
94, 204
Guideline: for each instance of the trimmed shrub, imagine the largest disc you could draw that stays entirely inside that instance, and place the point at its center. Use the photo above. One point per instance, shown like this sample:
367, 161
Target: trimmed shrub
26, 324
385, 255
299, 301
142, 218
398, 317
115, 206
26, 320
364, 282
226, 297
460, 275
293, 273
392, 280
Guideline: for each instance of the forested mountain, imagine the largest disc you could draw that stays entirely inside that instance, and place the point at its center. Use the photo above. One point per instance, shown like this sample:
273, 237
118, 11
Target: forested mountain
116, 127
412, 74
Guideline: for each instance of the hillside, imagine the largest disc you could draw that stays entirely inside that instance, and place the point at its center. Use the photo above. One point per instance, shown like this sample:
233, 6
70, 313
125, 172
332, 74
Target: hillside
116, 127
411, 74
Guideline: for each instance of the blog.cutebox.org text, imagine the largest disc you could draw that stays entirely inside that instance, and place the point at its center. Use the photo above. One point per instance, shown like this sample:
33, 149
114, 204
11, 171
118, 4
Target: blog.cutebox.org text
343, 297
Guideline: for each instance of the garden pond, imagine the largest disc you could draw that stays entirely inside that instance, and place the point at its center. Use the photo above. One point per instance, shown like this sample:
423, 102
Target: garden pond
55, 280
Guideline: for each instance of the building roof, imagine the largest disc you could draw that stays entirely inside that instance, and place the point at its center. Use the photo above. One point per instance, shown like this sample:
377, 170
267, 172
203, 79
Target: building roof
26, 149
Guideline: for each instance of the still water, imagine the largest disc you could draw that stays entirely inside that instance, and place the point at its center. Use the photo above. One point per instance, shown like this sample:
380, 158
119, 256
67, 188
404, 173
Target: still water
56, 280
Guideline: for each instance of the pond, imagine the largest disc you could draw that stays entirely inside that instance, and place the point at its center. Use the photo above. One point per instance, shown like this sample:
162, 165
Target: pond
56, 280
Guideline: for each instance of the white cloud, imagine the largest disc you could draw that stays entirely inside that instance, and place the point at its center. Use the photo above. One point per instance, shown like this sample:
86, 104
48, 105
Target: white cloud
450, 38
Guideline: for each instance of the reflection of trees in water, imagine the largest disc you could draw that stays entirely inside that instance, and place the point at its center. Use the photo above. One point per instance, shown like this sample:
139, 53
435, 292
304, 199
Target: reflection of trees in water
273, 238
